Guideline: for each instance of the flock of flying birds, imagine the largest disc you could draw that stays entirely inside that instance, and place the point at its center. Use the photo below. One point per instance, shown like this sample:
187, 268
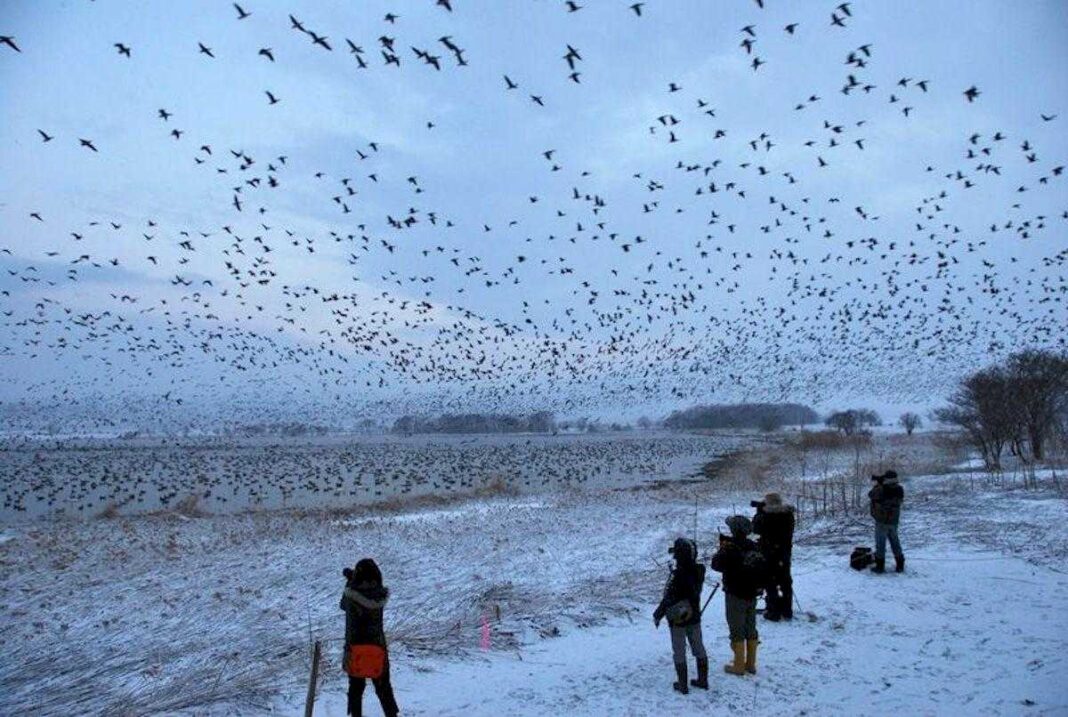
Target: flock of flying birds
640, 317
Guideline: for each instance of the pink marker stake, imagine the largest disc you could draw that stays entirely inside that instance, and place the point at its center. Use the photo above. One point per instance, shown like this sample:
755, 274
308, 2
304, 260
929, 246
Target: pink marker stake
485, 643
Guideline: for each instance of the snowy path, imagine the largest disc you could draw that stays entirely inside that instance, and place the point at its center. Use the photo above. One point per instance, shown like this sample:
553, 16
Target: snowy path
966, 630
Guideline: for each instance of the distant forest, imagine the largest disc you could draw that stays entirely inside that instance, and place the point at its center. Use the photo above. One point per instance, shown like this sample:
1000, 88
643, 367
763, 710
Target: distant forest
765, 416
538, 422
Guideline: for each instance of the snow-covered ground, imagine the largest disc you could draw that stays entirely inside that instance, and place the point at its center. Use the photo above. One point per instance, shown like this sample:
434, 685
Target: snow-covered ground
213, 615
978, 624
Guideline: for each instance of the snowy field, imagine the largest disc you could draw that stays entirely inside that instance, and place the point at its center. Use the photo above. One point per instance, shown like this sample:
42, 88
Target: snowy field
213, 615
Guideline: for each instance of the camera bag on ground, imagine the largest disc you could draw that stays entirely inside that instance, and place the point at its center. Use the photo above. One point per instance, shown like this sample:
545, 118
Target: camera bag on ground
861, 558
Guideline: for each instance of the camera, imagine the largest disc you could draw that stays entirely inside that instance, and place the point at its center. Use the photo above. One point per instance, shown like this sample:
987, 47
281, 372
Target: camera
758, 504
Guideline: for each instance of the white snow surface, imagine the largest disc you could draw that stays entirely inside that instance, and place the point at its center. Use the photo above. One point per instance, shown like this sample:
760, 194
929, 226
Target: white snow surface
976, 625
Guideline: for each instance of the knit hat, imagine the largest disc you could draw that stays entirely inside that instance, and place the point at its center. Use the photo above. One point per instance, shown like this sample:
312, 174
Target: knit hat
740, 526
773, 500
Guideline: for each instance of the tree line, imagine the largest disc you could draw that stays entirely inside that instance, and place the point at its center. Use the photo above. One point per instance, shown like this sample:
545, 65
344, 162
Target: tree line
536, 422
765, 416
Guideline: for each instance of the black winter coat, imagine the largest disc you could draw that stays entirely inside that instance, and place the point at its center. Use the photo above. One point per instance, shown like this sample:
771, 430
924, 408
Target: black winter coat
886, 499
729, 560
775, 526
363, 605
685, 583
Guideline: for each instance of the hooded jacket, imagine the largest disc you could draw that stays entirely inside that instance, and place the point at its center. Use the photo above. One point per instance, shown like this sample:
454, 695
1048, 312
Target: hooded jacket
363, 601
775, 526
685, 583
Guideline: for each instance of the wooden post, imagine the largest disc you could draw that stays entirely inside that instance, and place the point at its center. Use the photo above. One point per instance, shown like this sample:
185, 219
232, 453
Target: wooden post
309, 703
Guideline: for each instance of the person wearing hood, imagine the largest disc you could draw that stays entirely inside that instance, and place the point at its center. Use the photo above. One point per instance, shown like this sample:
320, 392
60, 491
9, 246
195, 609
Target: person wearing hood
363, 601
742, 565
681, 605
774, 523
886, 497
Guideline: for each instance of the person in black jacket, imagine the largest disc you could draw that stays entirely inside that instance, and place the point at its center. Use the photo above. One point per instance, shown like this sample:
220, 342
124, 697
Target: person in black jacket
363, 601
774, 523
739, 559
681, 605
886, 497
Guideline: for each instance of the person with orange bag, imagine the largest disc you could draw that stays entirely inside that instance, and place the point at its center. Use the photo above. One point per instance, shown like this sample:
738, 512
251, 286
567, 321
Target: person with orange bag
366, 654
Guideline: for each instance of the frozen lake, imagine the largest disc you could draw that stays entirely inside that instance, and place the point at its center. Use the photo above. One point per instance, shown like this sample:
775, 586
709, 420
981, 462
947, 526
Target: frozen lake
83, 477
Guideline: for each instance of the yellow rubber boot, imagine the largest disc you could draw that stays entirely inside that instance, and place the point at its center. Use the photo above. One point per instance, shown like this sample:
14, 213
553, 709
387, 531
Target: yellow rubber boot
737, 667
750, 656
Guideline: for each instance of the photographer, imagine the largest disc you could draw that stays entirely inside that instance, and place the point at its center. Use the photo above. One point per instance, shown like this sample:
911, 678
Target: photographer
742, 566
886, 497
774, 523
366, 655
681, 605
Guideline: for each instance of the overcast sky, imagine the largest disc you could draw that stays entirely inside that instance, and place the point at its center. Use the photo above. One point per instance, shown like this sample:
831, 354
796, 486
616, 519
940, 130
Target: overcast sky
481, 164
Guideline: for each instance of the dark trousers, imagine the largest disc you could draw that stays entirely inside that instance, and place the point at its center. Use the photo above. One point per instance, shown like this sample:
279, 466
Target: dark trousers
779, 591
383, 688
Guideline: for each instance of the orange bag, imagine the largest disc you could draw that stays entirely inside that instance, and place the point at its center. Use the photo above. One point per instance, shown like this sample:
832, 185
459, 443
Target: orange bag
365, 661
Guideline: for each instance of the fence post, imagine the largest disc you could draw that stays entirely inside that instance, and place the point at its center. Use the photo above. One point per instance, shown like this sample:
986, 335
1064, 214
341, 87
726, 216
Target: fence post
309, 703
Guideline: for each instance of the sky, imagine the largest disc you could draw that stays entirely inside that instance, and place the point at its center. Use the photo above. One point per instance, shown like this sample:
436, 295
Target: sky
826, 273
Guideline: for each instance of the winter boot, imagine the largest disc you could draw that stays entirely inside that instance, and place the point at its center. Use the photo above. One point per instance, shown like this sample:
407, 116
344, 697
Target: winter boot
771, 606
900, 564
750, 656
681, 684
737, 667
880, 566
702, 674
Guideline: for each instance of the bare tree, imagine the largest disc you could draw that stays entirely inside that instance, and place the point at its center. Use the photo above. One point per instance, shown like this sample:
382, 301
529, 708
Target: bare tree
854, 420
843, 421
983, 406
1040, 382
909, 421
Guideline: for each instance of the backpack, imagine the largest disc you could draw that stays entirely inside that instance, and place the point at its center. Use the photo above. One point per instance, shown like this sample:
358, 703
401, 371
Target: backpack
860, 558
755, 567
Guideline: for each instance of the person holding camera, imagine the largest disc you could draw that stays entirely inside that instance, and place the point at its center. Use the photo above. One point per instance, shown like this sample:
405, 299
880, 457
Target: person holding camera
886, 497
774, 523
366, 656
681, 605
742, 565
